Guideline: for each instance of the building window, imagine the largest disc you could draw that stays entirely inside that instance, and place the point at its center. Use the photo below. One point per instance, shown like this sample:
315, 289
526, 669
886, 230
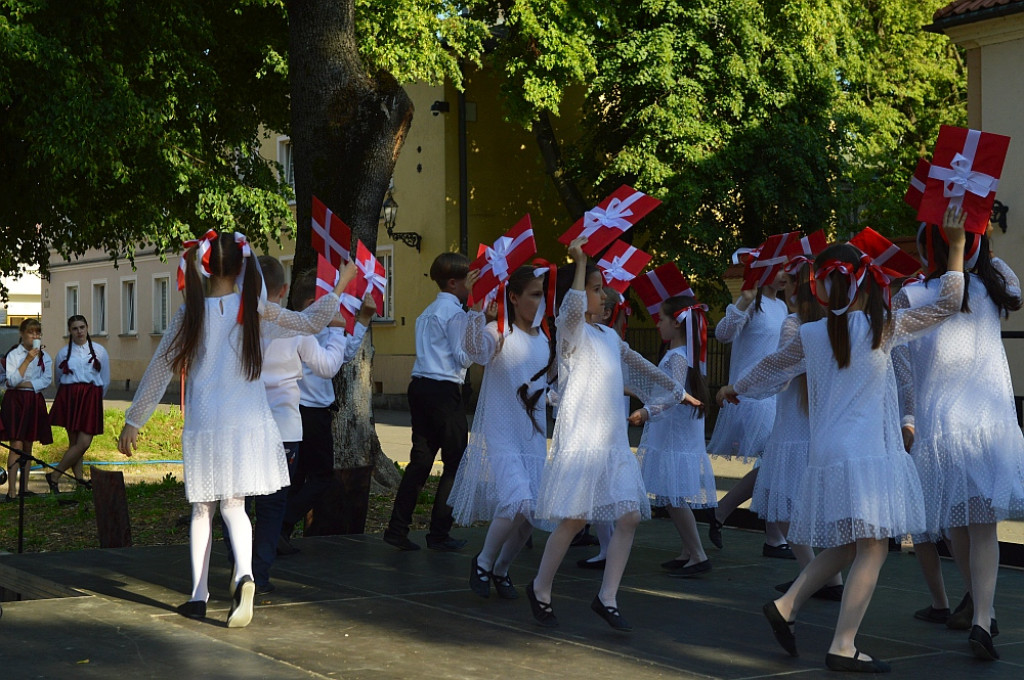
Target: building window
286, 265
386, 256
70, 300
284, 157
98, 322
161, 303
128, 307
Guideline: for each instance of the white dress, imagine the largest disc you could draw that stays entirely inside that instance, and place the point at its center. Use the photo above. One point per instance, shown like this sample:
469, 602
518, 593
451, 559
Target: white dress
859, 481
968, 447
742, 430
785, 453
499, 475
230, 444
591, 472
673, 459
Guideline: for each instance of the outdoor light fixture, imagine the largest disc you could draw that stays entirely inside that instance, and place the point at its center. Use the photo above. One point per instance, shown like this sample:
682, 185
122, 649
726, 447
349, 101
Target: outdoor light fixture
999, 210
389, 215
439, 107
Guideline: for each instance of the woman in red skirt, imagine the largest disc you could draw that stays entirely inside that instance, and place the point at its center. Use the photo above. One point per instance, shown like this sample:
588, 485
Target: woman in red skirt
23, 411
83, 371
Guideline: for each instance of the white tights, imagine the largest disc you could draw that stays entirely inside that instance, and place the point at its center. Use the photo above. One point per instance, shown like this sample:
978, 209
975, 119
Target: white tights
236, 522
505, 538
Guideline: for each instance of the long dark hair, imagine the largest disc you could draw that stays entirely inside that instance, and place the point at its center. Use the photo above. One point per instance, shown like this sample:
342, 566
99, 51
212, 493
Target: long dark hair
994, 280
92, 350
807, 309
875, 307
517, 283
696, 384
225, 260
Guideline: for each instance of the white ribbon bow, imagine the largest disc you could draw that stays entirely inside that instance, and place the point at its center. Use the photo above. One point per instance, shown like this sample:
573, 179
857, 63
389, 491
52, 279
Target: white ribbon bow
374, 280
247, 255
616, 270
497, 255
959, 178
614, 216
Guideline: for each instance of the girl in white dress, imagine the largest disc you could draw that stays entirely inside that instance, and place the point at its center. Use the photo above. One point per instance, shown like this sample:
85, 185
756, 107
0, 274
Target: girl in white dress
968, 446
673, 459
500, 473
230, 444
860, 487
752, 325
591, 474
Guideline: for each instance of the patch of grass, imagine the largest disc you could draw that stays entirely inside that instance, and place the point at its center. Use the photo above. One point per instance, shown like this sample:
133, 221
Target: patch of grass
160, 439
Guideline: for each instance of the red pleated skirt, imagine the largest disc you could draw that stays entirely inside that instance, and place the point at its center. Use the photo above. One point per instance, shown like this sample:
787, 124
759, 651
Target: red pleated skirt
23, 413
78, 407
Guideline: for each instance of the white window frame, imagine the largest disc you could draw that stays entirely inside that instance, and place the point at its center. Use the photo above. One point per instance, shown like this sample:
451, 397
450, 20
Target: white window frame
99, 323
286, 159
288, 265
386, 256
127, 329
159, 306
70, 311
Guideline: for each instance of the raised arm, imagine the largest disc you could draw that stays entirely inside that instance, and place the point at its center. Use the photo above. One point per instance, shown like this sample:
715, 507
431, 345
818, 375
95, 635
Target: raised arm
769, 375
278, 322
736, 317
480, 340
324, 360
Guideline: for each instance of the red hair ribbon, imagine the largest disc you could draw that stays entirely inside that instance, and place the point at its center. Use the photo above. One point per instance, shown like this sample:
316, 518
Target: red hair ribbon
869, 268
623, 310
796, 262
547, 305
243, 245
202, 244
912, 280
700, 313
824, 275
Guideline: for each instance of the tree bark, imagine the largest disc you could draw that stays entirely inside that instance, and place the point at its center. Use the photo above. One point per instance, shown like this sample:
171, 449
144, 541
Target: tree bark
551, 152
348, 126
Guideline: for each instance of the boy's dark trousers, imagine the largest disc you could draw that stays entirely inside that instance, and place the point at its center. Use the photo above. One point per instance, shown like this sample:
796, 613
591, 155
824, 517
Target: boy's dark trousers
438, 422
316, 464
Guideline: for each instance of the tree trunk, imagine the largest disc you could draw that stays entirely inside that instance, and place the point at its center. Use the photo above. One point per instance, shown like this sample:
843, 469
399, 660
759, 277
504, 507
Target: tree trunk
348, 127
551, 152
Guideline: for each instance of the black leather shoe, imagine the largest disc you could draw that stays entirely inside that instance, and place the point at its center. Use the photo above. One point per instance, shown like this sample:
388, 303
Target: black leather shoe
715, 530
241, 604
265, 589
981, 644
782, 628
932, 615
673, 565
400, 542
783, 552
542, 611
447, 545
503, 586
692, 570
50, 483
588, 564
479, 579
962, 616
193, 609
611, 615
855, 664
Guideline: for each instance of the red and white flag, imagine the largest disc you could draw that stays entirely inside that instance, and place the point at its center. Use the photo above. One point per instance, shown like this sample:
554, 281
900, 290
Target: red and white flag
327, 277
885, 254
331, 236
372, 279
658, 285
496, 262
917, 181
762, 264
809, 245
621, 264
610, 219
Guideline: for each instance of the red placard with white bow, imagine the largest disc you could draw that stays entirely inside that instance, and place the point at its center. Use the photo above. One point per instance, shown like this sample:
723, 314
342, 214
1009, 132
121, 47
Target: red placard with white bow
658, 285
327, 277
610, 219
964, 172
621, 264
371, 278
885, 254
917, 181
496, 262
331, 236
808, 246
762, 264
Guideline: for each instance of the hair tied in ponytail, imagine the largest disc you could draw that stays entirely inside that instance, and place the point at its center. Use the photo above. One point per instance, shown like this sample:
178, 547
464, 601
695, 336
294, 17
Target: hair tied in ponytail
243, 245
202, 246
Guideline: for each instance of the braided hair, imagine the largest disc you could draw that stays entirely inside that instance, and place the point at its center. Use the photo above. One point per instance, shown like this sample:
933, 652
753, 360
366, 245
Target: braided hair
94, 360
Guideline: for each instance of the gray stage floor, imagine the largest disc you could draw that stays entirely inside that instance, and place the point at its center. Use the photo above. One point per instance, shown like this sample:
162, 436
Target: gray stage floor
353, 607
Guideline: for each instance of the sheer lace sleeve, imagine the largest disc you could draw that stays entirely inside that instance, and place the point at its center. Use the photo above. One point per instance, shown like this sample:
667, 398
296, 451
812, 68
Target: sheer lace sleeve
732, 323
570, 321
278, 322
1012, 282
480, 340
911, 323
676, 367
156, 378
903, 369
647, 382
774, 371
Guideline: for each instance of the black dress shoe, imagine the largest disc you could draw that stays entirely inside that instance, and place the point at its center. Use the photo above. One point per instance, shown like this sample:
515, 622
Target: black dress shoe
981, 644
715, 530
240, 614
447, 545
590, 564
672, 565
855, 664
962, 616
782, 552
50, 483
692, 570
400, 542
193, 609
932, 615
542, 611
503, 586
611, 615
479, 579
782, 628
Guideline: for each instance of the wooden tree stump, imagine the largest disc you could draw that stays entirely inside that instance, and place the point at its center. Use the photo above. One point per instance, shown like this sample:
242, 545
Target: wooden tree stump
111, 503
344, 506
